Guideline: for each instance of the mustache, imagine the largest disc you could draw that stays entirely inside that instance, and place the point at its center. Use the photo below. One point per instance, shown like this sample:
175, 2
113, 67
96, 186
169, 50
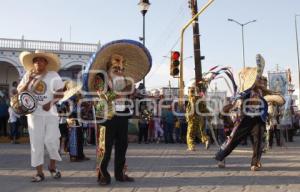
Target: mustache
118, 82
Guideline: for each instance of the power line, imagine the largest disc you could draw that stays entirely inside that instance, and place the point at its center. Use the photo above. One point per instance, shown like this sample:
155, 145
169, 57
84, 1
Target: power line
171, 26
171, 31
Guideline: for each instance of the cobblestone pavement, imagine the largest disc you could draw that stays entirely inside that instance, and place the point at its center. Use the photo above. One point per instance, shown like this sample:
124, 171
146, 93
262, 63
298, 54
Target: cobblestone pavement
160, 167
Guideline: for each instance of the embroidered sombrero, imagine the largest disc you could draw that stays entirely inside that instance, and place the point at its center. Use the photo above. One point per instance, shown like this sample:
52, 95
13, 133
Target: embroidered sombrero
138, 61
26, 59
249, 75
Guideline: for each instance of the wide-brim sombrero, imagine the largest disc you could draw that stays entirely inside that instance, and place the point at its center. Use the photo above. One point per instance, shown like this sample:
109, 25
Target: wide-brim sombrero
26, 59
247, 78
71, 88
137, 56
249, 75
275, 99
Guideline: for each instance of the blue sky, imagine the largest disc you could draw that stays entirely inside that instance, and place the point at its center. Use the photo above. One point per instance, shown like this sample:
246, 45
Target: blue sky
273, 35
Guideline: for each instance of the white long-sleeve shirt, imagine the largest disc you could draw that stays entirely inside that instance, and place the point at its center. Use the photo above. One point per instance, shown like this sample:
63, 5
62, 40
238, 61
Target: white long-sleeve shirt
12, 116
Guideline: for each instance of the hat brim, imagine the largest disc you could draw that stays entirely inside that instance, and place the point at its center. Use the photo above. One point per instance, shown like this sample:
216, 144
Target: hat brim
72, 89
26, 59
247, 78
138, 61
276, 99
249, 75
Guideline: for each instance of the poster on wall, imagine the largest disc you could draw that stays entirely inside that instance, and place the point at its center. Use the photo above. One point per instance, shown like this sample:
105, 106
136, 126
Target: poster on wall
278, 81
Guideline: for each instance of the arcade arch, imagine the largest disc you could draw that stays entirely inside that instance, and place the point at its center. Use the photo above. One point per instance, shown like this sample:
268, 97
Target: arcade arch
9, 73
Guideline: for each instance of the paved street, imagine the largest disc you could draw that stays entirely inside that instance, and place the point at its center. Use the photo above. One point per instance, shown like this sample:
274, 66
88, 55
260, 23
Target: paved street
160, 167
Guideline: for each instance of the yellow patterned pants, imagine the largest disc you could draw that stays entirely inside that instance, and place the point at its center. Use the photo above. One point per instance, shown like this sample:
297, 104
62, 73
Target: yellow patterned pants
196, 126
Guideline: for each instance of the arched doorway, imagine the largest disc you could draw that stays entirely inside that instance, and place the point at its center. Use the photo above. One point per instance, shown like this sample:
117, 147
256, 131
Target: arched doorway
8, 74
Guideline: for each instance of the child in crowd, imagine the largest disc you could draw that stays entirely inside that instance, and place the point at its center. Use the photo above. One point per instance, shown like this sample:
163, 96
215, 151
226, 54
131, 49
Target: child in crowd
63, 127
151, 130
12, 121
177, 130
158, 130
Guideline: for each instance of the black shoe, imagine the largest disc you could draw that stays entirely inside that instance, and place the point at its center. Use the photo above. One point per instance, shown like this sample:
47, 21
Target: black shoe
102, 180
219, 156
125, 178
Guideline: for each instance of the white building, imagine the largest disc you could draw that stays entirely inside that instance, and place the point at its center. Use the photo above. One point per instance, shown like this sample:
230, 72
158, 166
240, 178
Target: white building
73, 56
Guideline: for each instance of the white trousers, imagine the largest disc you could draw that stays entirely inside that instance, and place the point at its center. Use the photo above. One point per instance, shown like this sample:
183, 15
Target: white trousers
43, 130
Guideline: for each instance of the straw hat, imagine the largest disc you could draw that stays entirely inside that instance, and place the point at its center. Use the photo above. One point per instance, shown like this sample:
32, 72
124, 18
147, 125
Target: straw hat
138, 61
275, 99
72, 88
26, 59
249, 75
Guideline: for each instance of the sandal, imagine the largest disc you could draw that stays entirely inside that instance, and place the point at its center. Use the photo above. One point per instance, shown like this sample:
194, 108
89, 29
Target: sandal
259, 165
38, 178
255, 168
55, 173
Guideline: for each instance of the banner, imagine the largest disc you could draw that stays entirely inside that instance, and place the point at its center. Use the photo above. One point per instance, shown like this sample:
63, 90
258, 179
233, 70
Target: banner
278, 81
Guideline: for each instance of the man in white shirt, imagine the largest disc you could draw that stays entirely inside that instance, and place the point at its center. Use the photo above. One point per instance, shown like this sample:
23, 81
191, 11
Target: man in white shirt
42, 80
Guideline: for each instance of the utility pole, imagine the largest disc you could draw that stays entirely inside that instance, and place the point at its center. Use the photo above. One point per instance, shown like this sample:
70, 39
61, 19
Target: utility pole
298, 59
181, 94
170, 89
196, 39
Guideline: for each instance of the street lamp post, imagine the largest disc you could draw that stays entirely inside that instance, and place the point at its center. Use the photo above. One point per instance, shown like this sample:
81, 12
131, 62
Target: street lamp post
243, 43
296, 29
144, 6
